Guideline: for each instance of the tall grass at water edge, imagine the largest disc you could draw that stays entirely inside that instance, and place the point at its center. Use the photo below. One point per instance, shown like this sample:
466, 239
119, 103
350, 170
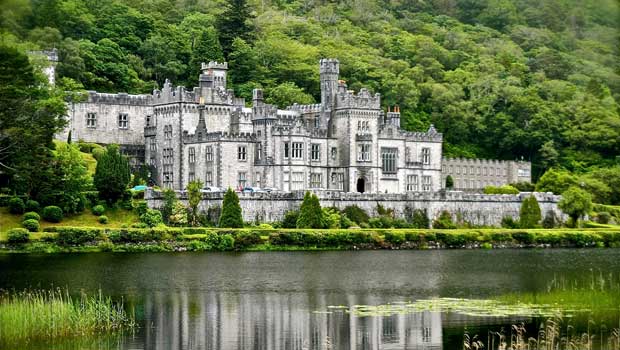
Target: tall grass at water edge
40, 314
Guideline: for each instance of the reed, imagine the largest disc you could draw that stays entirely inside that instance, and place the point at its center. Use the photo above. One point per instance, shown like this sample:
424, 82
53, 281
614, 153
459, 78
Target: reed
49, 314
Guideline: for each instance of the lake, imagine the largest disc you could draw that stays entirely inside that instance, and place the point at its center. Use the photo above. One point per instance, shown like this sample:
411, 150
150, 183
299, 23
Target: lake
281, 300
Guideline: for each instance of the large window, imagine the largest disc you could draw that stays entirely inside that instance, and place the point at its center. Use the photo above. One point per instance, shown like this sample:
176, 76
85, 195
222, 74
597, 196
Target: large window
388, 160
338, 181
363, 152
315, 180
91, 120
259, 151
297, 150
168, 161
297, 181
123, 121
242, 179
426, 156
167, 132
412, 183
209, 154
316, 152
427, 184
191, 155
242, 153
209, 179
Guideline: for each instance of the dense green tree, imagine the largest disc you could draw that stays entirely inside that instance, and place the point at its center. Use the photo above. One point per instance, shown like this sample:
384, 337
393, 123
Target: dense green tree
556, 181
207, 48
310, 213
449, 182
575, 203
286, 94
231, 211
529, 214
194, 196
235, 22
112, 175
170, 199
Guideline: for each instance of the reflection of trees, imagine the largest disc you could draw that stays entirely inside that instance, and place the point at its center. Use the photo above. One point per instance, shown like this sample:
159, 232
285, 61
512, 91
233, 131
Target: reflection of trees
275, 321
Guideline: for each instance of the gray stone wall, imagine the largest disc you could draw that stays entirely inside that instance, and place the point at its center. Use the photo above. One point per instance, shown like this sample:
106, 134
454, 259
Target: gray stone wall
476, 174
476, 209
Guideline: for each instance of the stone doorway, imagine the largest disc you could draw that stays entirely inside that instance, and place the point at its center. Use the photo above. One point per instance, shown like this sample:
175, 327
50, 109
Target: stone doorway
361, 185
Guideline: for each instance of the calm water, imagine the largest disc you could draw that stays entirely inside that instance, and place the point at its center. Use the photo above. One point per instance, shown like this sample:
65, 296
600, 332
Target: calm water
268, 300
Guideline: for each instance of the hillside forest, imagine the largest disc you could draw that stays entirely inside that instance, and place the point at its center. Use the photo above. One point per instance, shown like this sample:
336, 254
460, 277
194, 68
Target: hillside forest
525, 79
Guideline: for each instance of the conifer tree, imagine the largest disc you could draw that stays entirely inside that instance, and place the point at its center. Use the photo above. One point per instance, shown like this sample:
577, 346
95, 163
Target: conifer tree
449, 182
310, 213
112, 174
235, 22
207, 49
529, 215
231, 211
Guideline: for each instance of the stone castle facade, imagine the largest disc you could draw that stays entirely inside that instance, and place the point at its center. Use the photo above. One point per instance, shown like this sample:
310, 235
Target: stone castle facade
344, 143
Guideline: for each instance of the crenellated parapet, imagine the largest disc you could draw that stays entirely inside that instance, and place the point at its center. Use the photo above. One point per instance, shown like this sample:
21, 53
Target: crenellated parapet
303, 109
119, 99
363, 99
218, 136
390, 131
170, 94
477, 161
214, 65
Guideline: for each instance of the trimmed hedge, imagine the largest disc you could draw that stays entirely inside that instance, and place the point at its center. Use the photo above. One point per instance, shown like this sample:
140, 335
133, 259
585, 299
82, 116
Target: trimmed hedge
18, 235
16, 205
77, 235
52, 213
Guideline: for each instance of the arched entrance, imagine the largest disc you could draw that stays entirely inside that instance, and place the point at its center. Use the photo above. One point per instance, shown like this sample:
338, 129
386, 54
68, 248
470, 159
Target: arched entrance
361, 185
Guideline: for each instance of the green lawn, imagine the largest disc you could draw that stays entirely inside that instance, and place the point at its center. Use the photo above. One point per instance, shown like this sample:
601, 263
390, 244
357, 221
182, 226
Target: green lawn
116, 218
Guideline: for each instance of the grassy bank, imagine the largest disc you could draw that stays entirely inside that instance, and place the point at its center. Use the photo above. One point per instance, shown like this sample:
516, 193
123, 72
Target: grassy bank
71, 239
38, 315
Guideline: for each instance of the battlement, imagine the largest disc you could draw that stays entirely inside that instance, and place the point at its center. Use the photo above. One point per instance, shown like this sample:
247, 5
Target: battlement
218, 136
363, 99
313, 108
120, 98
329, 65
214, 65
478, 161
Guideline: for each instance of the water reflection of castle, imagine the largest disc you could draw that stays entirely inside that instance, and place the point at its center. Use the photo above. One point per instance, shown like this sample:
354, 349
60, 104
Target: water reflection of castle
277, 322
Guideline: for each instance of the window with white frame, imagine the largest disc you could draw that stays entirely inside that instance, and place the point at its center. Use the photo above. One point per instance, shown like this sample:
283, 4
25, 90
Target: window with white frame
338, 181
412, 183
167, 132
297, 150
297, 181
257, 179
259, 151
208, 178
315, 154
152, 145
242, 179
191, 176
123, 121
388, 160
91, 120
363, 152
242, 153
426, 156
316, 180
427, 184
209, 154
191, 157
168, 161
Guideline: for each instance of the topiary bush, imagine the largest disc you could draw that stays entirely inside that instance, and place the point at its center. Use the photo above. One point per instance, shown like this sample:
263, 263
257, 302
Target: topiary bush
103, 219
310, 212
98, 210
31, 225
18, 235
16, 205
52, 213
31, 215
231, 211
32, 205
529, 214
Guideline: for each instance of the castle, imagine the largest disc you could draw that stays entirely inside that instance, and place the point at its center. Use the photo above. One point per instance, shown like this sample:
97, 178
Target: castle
344, 143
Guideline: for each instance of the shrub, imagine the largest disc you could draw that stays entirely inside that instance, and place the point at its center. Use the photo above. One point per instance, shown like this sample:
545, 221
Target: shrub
419, 219
356, 214
32, 205
506, 189
246, 239
31, 215
509, 222
444, 221
603, 217
381, 222
31, 225
152, 218
330, 218
16, 205
18, 235
290, 219
575, 203
52, 213
550, 220
529, 214
231, 211
451, 239
227, 242
179, 215
524, 237
310, 213
140, 208
103, 219
76, 235
396, 238
98, 210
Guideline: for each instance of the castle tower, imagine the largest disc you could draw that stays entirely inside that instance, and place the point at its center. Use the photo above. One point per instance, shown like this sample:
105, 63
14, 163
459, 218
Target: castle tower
329, 70
217, 71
